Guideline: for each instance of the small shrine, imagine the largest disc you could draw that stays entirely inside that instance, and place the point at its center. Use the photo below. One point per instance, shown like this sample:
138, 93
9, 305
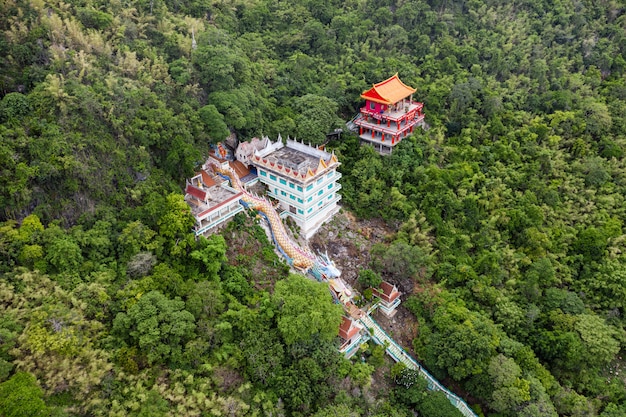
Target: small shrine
389, 297
350, 333
389, 115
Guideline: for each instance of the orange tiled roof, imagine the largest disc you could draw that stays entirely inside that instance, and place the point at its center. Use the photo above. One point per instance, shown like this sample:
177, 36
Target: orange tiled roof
240, 169
346, 330
387, 292
389, 91
196, 192
206, 179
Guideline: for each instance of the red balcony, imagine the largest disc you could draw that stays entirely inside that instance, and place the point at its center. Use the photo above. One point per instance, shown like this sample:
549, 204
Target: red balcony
395, 115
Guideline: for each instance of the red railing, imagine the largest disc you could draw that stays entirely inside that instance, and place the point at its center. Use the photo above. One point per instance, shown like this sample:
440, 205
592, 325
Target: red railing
393, 130
394, 116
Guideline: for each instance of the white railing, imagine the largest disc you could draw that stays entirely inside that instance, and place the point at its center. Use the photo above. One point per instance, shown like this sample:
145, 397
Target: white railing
400, 355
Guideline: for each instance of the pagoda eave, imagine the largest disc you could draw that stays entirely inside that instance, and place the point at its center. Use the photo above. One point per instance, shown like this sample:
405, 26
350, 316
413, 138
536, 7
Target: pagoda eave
390, 91
376, 100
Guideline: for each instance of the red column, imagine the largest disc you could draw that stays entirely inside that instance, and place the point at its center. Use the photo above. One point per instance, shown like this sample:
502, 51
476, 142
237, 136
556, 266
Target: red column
373, 133
388, 122
383, 137
360, 130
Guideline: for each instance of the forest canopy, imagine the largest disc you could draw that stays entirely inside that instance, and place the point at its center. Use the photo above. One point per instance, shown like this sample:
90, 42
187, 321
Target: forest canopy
507, 213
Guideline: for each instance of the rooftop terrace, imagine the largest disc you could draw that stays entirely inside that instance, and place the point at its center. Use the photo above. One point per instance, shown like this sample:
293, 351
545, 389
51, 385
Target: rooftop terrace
217, 197
296, 160
204, 194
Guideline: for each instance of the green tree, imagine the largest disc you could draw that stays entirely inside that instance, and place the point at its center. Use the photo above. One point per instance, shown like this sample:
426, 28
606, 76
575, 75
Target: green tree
155, 405
436, 404
175, 224
20, 396
613, 410
221, 66
399, 260
213, 122
136, 237
598, 118
31, 229
158, 326
212, 253
305, 309
369, 278
9, 331
64, 254
411, 388
509, 389
462, 341
317, 116
205, 300
601, 347
264, 354
238, 107
14, 106
606, 288
591, 243
32, 256
339, 410
176, 219
309, 381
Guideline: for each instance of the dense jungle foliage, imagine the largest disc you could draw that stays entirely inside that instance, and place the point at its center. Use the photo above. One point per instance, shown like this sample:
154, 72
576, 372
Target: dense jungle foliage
509, 210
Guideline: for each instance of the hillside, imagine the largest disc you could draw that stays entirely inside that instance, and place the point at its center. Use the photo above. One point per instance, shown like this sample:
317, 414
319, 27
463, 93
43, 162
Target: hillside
506, 217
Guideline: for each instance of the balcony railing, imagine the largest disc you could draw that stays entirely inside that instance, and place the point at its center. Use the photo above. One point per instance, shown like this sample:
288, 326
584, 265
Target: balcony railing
391, 130
394, 115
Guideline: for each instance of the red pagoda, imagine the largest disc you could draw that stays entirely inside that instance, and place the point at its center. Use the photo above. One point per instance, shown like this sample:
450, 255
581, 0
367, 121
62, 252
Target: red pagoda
389, 114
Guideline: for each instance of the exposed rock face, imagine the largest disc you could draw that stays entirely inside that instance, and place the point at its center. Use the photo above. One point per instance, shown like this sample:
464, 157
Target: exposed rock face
348, 242
231, 141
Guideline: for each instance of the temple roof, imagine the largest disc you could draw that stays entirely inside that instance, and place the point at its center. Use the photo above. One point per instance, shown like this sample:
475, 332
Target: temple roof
348, 329
240, 169
388, 292
389, 91
295, 160
196, 192
206, 179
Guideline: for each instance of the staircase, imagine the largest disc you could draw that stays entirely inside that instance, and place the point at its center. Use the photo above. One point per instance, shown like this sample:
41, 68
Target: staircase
295, 255
399, 355
305, 260
351, 126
